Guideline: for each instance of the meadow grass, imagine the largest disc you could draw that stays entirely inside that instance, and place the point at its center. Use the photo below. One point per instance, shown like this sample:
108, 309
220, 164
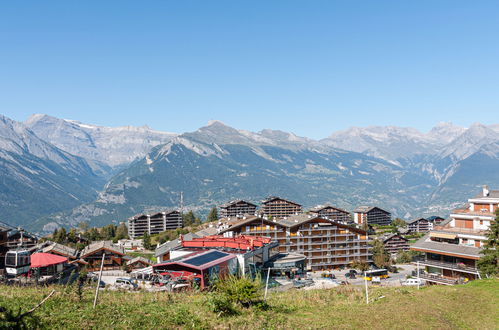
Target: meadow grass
471, 306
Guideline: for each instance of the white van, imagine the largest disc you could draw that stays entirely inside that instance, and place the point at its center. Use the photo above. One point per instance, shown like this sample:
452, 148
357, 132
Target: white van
413, 282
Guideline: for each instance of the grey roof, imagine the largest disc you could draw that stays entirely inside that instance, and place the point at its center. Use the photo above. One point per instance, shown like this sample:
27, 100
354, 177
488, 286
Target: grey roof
425, 244
271, 198
137, 259
416, 220
108, 245
492, 194
322, 207
365, 209
61, 249
235, 202
386, 237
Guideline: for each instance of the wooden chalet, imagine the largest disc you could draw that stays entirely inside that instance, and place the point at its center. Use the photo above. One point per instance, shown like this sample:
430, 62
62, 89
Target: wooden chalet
114, 257
279, 208
138, 263
395, 243
61, 250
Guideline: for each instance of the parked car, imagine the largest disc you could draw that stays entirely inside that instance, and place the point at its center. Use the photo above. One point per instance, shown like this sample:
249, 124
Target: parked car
413, 282
125, 283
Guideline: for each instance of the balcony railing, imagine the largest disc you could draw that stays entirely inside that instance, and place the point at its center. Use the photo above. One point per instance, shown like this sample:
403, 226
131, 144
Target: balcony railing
449, 265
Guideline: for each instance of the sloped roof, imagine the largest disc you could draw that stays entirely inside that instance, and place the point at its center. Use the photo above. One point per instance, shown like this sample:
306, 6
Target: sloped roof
106, 245
139, 259
387, 237
492, 194
425, 244
41, 259
416, 220
273, 198
235, 202
366, 209
61, 249
319, 208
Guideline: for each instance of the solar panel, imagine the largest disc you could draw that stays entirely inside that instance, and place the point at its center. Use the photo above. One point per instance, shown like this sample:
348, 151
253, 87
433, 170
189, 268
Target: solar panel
205, 258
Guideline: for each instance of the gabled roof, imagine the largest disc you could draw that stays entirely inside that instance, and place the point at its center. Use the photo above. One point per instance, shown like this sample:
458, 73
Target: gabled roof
387, 237
273, 198
139, 259
228, 204
319, 208
61, 249
434, 217
102, 245
367, 209
289, 222
417, 220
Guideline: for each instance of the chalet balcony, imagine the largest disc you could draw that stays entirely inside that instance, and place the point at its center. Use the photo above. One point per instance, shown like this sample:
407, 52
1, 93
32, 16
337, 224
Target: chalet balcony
449, 265
439, 279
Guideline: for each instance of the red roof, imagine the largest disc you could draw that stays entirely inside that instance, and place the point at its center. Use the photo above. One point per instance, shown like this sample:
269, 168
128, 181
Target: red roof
46, 259
217, 241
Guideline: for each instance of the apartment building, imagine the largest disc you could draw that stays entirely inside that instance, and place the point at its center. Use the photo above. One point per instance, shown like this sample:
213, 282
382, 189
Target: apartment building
395, 243
278, 208
373, 215
325, 243
154, 224
236, 208
420, 225
332, 213
453, 247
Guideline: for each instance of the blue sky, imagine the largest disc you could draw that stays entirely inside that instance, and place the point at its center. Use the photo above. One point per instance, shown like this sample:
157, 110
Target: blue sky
309, 67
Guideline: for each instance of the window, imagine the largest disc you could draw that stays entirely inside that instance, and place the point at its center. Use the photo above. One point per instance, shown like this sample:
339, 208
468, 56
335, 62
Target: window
481, 222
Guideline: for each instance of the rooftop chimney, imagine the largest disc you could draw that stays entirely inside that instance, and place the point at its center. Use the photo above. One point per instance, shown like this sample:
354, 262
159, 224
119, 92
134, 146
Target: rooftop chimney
485, 191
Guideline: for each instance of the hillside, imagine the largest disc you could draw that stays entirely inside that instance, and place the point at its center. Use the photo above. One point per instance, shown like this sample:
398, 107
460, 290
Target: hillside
471, 306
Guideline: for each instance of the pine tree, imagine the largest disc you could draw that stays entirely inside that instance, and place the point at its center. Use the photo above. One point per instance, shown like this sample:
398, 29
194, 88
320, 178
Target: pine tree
146, 241
121, 232
213, 215
189, 218
489, 263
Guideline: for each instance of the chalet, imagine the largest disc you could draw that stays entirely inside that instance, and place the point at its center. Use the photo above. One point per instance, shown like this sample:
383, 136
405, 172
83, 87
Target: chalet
420, 225
114, 256
373, 215
154, 224
326, 244
395, 243
61, 250
435, 220
236, 208
453, 247
138, 263
332, 213
278, 208
19, 237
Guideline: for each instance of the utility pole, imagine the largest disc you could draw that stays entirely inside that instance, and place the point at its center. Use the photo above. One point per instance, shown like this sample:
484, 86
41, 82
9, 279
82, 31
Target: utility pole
417, 267
98, 281
367, 291
267, 284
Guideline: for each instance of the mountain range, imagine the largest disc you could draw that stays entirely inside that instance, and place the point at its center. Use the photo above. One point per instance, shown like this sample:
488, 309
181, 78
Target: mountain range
128, 170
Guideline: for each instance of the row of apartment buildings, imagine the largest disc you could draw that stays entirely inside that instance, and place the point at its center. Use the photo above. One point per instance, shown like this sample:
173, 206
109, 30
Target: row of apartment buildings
272, 208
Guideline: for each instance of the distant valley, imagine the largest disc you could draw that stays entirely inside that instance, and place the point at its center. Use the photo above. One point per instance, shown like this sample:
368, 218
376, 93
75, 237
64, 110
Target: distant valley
59, 172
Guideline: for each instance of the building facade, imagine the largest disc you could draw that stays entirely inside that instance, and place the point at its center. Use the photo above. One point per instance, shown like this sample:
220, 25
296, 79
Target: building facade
394, 243
420, 225
332, 213
114, 256
373, 215
279, 208
452, 249
154, 224
236, 208
326, 244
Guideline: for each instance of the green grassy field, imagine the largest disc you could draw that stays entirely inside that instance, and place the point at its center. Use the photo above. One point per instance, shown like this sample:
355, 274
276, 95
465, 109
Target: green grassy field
471, 306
